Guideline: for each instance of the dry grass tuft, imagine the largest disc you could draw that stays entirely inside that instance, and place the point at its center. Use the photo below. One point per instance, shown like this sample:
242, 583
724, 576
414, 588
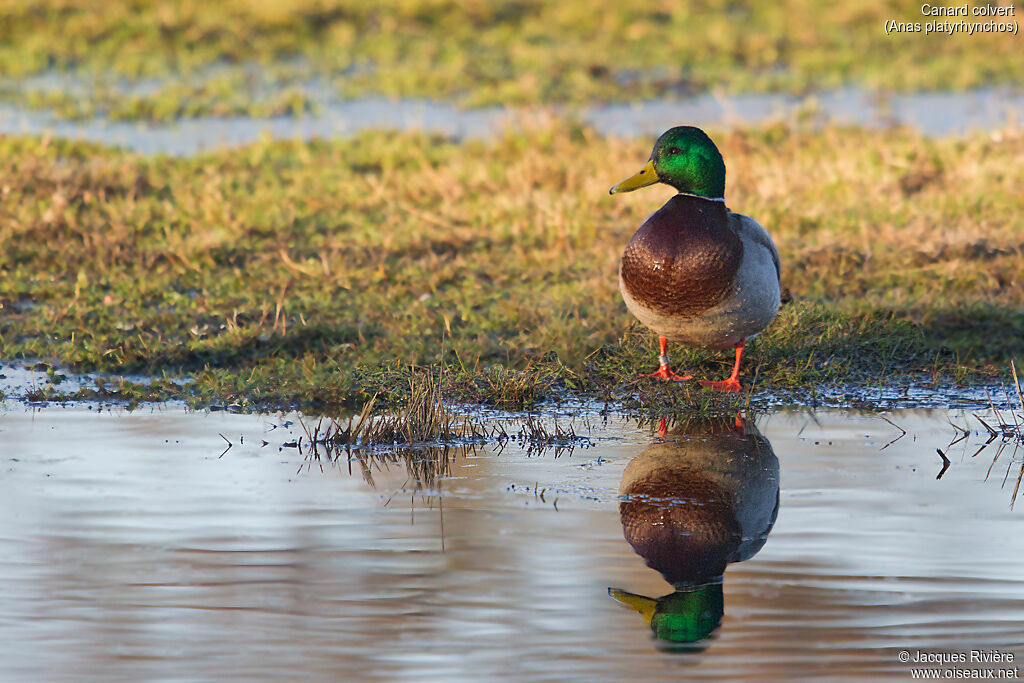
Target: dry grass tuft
425, 418
1003, 430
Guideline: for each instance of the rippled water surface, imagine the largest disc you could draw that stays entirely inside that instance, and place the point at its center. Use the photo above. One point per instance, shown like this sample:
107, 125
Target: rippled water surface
132, 548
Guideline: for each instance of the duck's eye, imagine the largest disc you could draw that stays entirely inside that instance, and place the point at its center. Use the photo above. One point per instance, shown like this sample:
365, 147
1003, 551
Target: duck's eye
674, 150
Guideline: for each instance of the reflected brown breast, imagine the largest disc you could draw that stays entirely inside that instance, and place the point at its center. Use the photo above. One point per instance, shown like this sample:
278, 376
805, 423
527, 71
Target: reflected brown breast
682, 523
683, 259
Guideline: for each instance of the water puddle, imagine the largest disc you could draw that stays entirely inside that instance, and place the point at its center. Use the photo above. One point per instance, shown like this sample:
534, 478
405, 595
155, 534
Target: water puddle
935, 114
36, 380
165, 544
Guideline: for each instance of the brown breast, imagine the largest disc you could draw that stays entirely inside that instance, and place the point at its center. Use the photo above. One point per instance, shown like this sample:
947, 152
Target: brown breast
682, 260
682, 523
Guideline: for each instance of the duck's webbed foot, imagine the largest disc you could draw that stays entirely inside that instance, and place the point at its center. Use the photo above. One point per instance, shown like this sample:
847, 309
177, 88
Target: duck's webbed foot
731, 384
728, 386
664, 371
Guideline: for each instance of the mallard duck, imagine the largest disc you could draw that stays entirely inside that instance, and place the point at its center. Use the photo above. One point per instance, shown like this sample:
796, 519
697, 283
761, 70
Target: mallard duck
695, 272
705, 497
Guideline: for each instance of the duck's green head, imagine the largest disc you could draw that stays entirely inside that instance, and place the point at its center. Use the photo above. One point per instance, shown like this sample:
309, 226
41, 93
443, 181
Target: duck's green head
685, 158
686, 616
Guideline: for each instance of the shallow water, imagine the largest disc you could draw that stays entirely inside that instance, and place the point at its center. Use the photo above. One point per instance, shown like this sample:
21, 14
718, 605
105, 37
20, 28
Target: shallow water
935, 114
133, 546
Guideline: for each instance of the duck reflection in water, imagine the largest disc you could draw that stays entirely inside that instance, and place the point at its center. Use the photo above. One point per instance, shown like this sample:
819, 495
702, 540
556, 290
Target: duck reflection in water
703, 498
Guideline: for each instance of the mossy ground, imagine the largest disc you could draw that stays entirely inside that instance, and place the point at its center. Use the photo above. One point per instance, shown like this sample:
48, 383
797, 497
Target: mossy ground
511, 52
324, 273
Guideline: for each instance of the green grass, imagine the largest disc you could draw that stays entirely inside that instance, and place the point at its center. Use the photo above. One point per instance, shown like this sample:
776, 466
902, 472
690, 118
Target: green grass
513, 52
222, 97
325, 273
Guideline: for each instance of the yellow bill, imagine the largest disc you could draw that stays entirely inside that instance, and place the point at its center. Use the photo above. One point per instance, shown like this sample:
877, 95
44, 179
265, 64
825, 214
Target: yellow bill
646, 176
639, 603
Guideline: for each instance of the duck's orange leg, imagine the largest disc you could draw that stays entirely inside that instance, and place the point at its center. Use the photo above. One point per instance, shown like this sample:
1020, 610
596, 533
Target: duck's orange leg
663, 370
740, 425
732, 384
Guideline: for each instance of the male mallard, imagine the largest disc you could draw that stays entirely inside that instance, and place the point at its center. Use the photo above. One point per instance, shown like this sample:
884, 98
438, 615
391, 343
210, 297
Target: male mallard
703, 498
695, 272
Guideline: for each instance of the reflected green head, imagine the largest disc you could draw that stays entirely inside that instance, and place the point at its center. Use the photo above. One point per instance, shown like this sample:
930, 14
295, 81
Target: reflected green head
688, 616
